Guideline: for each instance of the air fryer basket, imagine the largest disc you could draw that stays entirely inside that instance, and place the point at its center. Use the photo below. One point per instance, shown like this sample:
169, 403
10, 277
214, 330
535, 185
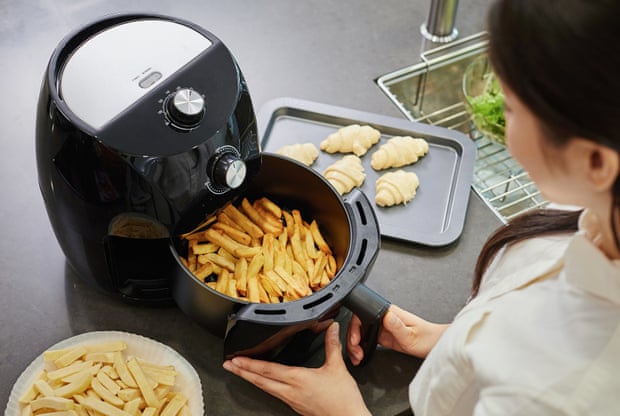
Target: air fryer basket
350, 228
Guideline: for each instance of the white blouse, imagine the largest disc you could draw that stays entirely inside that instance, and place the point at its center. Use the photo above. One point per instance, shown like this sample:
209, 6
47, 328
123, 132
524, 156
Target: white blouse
541, 338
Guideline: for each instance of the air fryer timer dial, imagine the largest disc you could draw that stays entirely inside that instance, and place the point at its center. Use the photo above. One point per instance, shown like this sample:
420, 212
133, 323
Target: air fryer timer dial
229, 171
185, 108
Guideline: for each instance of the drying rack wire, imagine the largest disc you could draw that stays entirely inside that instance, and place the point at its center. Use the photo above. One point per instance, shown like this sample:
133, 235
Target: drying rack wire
430, 92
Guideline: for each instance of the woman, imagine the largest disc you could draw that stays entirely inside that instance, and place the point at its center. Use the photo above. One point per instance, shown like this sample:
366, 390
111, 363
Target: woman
541, 333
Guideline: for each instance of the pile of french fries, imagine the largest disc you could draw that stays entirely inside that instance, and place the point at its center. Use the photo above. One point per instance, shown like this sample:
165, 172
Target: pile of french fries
99, 380
260, 253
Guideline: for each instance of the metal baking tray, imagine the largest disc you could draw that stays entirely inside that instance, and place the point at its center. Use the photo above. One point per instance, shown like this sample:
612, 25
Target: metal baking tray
436, 215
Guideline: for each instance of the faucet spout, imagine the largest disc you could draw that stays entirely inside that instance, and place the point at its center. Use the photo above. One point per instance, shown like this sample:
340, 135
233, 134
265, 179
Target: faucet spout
439, 26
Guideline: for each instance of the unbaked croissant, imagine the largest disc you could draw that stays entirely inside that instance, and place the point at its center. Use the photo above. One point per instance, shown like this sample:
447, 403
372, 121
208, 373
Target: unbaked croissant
354, 139
345, 174
305, 153
398, 187
398, 151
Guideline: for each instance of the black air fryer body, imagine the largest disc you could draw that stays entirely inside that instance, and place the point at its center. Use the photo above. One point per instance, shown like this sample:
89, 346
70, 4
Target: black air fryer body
144, 126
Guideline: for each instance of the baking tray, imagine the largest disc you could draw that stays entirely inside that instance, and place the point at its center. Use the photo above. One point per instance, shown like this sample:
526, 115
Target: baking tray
436, 215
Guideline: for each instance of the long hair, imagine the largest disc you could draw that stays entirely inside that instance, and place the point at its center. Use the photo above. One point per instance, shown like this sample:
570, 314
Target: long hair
560, 57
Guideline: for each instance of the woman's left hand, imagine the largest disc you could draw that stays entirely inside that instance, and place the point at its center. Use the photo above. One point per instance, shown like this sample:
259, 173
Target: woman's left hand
327, 390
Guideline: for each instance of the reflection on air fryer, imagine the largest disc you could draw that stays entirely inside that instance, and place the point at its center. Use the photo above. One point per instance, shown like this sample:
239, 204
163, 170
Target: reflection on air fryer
132, 225
260, 253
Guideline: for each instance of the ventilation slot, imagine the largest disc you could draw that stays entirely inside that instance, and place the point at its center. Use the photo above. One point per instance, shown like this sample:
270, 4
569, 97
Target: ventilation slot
360, 209
318, 301
270, 312
360, 258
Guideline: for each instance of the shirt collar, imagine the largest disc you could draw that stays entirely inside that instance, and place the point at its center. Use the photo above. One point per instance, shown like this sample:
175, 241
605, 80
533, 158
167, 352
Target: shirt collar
587, 267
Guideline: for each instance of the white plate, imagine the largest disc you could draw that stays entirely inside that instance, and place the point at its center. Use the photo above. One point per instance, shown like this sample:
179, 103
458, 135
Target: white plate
187, 381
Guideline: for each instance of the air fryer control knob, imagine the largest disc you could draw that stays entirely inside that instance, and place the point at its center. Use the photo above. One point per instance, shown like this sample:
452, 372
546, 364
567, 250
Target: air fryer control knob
229, 170
185, 108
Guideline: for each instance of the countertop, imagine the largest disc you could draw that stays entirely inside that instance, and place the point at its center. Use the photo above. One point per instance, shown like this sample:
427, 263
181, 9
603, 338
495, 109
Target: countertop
327, 52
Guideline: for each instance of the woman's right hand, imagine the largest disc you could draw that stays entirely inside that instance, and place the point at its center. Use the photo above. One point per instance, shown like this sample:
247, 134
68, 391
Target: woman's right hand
401, 331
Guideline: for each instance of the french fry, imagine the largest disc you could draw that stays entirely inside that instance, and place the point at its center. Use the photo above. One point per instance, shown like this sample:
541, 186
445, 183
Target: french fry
44, 388
318, 238
204, 271
105, 394
174, 405
278, 280
128, 394
223, 240
77, 385
133, 406
221, 261
197, 248
294, 285
224, 218
272, 289
309, 245
298, 250
255, 266
231, 290
53, 403
283, 238
270, 206
108, 383
263, 295
123, 372
244, 222
241, 276
331, 267
221, 285
324, 279
191, 263
290, 223
254, 293
67, 371
70, 356
239, 236
103, 408
262, 222
317, 272
149, 411
31, 392
273, 223
268, 251
143, 384
99, 357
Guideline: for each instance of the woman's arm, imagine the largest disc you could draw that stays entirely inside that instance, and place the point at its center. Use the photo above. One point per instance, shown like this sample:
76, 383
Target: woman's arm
401, 331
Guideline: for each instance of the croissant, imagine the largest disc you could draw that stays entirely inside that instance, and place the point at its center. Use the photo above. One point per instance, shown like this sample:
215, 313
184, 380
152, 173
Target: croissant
351, 139
398, 151
345, 174
398, 187
305, 153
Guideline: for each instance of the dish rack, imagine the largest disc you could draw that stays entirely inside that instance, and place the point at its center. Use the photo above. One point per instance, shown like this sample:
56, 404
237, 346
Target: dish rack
430, 92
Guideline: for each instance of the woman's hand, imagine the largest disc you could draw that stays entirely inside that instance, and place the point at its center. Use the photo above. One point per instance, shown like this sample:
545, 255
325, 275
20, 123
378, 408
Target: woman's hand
401, 331
324, 391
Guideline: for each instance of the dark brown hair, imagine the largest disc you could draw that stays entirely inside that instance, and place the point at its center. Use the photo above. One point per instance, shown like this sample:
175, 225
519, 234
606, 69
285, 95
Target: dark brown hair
560, 57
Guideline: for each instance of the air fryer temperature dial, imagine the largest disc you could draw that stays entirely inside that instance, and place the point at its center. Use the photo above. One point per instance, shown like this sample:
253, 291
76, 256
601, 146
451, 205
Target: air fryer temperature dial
185, 108
229, 170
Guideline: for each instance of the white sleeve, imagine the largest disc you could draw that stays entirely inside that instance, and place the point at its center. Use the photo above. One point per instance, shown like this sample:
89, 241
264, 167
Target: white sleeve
521, 401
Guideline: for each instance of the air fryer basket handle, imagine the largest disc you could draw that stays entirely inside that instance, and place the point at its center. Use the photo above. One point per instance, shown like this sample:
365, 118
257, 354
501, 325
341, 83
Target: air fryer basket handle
368, 305
370, 308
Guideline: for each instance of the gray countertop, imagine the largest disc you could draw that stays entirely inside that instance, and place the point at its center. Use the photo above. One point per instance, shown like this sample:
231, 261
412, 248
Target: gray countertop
328, 52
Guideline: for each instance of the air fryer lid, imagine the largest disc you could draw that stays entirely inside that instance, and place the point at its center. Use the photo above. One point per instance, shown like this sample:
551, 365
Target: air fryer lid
122, 63
146, 84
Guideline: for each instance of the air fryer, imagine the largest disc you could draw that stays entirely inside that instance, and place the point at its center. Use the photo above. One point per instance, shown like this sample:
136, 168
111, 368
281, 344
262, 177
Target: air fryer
144, 126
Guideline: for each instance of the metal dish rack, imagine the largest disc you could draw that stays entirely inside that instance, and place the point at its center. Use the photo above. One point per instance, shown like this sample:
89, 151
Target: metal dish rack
430, 92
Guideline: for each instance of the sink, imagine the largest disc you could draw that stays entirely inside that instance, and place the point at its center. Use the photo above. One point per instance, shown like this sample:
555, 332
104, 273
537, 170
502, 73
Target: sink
430, 92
